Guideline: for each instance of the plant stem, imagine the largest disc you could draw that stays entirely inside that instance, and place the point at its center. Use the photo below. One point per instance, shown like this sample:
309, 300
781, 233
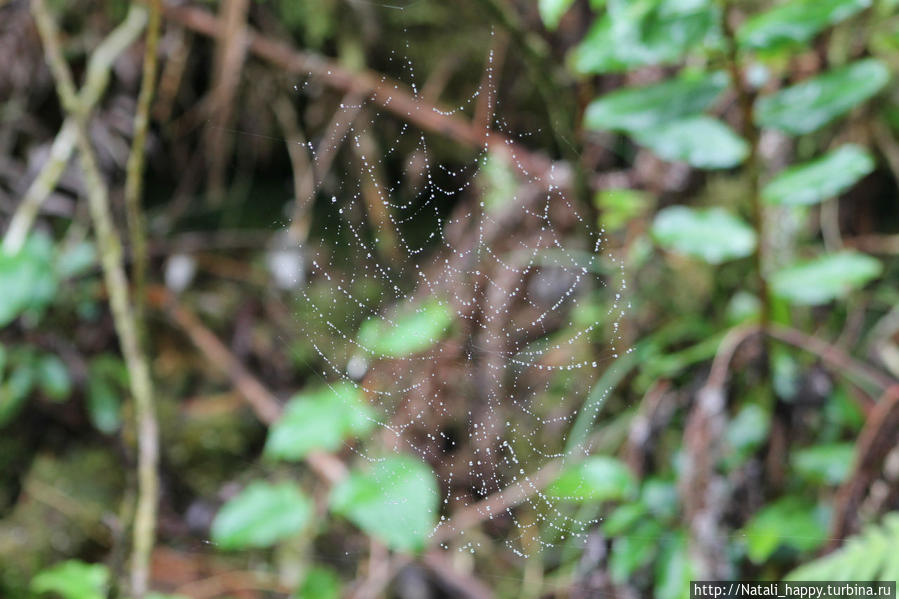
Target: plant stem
753, 167
110, 250
135, 167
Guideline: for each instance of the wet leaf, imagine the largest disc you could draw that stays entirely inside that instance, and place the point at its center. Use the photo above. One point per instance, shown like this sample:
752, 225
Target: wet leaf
413, 330
825, 278
808, 106
73, 579
638, 108
395, 502
820, 179
319, 420
700, 141
261, 515
646, 32
711, 234
598, 478
794, 23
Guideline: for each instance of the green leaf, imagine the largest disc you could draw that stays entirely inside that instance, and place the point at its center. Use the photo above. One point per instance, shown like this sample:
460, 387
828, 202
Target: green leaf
395, 502
76, 260
26, 278
674, 569
14, 391
624, 518
638, 108
319, 420
643, 32
870, 555
633, 551
598, 478
413, 330
552, 11
73, 579
261, 515
808, 106
618, 207
107, 384
711, 234
700, 141
53, 377
820, 179
794, 23
825, 464
320, 583
825, 278
746, 432
788, 522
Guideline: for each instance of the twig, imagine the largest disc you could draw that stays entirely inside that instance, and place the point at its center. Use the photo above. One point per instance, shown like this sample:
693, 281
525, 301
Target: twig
833, 355
46, 180
390, 95
116, 281
94, 85
135, 168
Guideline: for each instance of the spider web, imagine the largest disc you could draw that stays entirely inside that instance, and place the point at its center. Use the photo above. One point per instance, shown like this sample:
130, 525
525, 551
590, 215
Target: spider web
535, 301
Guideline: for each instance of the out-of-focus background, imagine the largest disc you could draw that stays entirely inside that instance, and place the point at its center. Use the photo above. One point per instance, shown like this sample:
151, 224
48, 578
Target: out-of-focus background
420, 299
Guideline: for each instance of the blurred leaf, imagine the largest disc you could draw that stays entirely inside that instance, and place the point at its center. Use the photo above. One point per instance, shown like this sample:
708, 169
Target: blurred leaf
320, 583
787, 522
319, 420
598, 478
76, 260
53, 377
747, 431
623, 518
261, 515
828, 464
820, 179
552, 11
618, 207
795, 23
413, 330
808, 106
26, 278
826, 278
14, 390
700, 141
870, 555
633, 551
674, 570
498, 182
743, 307
637, 108
660, 497
642, 32
396, 502
711, 234
73, 579
107, 384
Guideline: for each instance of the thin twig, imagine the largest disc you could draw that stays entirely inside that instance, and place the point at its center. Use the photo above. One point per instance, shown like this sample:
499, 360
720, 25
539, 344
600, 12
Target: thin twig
114, 273
135, 168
